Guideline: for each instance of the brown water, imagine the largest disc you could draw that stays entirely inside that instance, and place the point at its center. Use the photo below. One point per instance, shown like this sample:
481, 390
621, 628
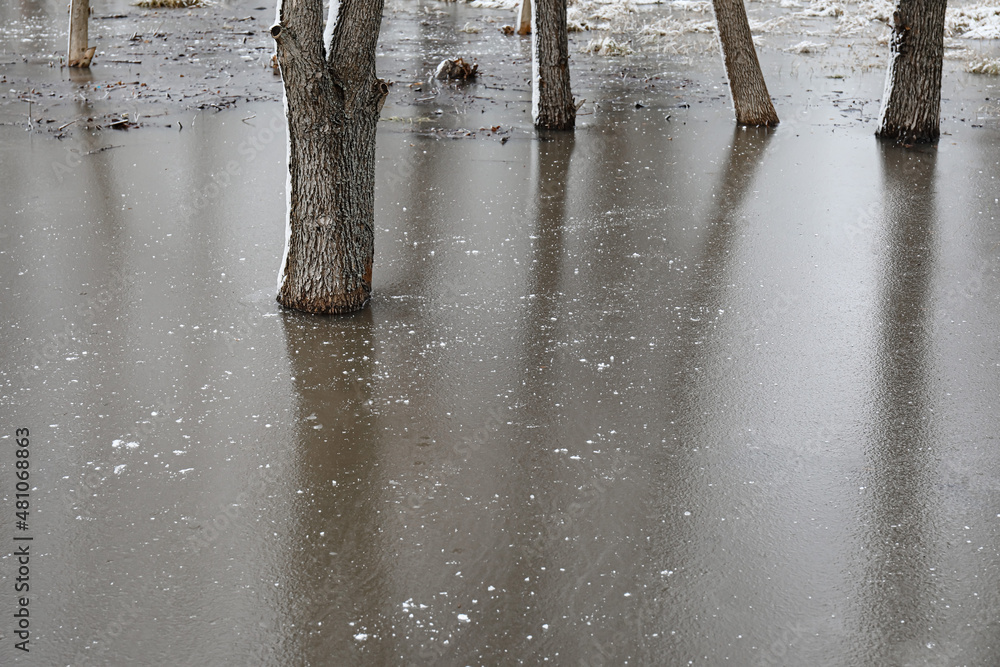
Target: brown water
656, 393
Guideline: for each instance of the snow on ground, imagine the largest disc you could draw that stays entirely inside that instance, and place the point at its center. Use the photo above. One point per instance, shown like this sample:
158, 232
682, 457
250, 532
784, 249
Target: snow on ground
607, 46
795, 26
976, 20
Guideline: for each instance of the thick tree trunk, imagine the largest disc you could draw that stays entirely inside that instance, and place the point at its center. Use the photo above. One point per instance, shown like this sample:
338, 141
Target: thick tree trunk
911, 104
746, 82
333, 99
79, 54
552, 105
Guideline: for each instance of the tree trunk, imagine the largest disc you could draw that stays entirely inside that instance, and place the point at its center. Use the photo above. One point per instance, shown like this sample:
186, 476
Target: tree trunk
746, 82
552, 105
911, 103
332, 100
524, 17
79, 54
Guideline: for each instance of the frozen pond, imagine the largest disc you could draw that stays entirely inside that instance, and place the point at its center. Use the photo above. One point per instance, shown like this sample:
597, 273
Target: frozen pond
661, 392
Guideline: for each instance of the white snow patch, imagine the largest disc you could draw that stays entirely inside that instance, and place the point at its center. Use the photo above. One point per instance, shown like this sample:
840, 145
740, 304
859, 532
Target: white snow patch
822, 8
807, 47
535, 92
694, 6
607, 46
977, 20
990, 66
669, 26
494, 4
288, 192
331, 23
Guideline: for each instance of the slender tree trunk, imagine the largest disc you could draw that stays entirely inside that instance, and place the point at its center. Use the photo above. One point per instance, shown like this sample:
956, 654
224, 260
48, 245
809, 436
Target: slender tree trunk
79, 54
911, 103
333, 99
552, 105
524, 17
746, 81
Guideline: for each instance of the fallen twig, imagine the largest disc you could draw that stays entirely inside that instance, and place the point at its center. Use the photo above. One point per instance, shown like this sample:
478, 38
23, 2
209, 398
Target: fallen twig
102, 149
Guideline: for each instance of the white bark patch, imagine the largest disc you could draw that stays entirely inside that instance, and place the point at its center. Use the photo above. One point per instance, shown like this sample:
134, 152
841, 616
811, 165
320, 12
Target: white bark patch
69, 31
288, 191
722, 53
535, 80
331, 23
890, 76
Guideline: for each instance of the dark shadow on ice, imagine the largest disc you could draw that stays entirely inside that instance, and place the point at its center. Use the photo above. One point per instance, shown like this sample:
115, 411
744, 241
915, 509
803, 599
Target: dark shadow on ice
710, 596
336, 555
897, 588
540, 522
710, 284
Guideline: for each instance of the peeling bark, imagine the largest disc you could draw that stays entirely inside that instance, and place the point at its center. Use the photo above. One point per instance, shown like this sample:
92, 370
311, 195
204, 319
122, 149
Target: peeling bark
911, 104
333, 99
746, 81
552, 105
79, 54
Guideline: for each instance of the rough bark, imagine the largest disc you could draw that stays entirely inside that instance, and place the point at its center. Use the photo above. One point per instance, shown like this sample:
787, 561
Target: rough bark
524, 17
746, 82
333, 99
911, 104
79, 54
552, 105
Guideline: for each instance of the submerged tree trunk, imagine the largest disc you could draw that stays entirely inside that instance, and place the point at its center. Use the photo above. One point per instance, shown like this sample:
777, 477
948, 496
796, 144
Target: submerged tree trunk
333, 99
552, 105
911, 103
79, 54
746, 81
524, 17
